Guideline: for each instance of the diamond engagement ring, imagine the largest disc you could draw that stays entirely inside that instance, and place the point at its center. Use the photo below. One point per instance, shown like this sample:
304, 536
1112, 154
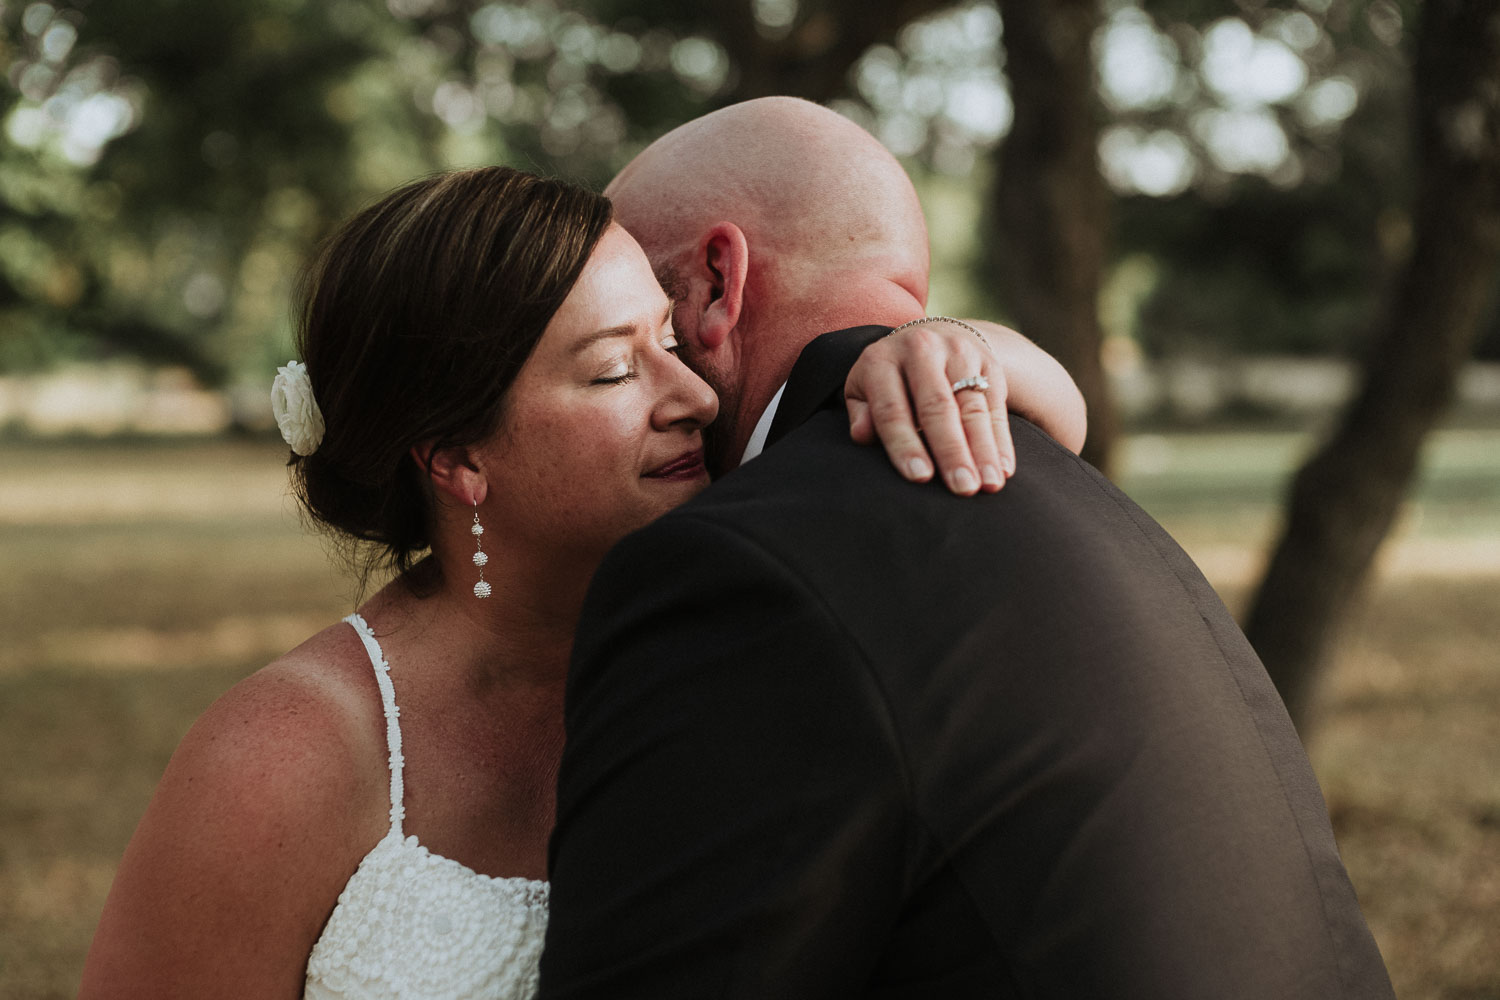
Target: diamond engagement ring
972, 382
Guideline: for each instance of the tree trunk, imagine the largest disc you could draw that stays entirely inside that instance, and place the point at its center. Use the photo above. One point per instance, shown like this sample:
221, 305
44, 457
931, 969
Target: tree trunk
1344, 500
1049, 205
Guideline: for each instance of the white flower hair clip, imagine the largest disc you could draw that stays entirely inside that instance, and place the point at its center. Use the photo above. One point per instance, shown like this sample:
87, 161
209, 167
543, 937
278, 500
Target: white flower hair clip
296, 412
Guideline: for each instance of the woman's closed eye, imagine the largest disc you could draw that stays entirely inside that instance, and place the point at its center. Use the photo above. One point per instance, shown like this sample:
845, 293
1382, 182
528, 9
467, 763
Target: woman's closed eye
621, 371
616, 374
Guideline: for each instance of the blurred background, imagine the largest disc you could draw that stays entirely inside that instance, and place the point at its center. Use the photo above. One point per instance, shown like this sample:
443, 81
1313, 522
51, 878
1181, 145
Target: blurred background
1264, 235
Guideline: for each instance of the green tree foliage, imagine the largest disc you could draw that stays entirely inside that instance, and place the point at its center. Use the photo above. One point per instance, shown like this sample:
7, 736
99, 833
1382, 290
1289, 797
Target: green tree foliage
165, 166
155, 154
1259, 251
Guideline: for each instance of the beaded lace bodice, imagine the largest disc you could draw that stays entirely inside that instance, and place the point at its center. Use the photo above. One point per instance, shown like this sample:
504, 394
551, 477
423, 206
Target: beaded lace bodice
413, 924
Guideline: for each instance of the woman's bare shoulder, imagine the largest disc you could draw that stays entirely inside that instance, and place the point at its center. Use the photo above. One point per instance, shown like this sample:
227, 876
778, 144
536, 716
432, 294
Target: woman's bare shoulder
309, 722
291, 757
265, 809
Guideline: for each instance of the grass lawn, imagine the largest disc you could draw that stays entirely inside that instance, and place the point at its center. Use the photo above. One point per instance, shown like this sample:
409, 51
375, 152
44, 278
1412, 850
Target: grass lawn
144, 579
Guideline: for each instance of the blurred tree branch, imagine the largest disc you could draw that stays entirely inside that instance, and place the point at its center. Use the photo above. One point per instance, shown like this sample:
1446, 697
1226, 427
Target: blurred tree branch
1345, 499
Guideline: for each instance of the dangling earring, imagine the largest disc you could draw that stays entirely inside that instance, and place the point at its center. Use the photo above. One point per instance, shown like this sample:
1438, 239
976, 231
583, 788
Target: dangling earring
482, 588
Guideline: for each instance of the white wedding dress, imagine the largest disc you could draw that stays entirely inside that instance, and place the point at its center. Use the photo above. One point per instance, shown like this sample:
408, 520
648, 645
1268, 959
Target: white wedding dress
412, 924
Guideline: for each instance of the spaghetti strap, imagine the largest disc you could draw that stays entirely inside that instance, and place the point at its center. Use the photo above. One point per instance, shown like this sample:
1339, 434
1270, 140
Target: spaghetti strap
395, 761
410, 923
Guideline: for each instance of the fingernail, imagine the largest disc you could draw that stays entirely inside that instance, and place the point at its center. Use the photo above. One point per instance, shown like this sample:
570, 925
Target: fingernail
1009, 462
963, 481
918, 468
991, 476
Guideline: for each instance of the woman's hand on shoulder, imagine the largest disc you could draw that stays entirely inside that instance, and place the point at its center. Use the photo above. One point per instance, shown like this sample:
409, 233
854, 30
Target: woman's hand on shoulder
262, 815
903, 387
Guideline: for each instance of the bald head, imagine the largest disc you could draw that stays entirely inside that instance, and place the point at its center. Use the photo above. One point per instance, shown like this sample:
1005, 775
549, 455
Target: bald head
808, 187
771, 222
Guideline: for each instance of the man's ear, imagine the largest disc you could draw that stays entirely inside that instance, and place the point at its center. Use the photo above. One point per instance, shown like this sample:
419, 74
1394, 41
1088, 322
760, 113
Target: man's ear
725, 256
452, 471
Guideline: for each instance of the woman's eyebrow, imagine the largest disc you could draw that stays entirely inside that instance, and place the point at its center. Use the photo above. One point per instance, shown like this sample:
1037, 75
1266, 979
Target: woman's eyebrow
624, 330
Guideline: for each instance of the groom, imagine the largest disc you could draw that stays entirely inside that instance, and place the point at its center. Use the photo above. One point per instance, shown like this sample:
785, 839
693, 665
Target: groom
831, 734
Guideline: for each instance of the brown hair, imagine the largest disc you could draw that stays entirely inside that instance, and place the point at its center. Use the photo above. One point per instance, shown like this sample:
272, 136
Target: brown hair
414, 320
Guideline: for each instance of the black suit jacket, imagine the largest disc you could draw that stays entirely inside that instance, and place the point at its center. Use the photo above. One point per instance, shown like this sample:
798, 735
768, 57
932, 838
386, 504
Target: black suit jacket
834, 735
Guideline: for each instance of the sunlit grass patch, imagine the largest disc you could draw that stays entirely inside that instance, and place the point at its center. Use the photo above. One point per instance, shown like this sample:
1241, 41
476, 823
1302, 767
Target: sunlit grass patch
142, 582
1407, 748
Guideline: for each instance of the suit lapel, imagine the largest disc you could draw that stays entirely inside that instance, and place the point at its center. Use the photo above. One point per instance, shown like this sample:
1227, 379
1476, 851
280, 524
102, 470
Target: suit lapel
817, 379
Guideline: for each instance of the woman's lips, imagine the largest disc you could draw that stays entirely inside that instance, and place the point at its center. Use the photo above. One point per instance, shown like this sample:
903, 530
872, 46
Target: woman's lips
688, 465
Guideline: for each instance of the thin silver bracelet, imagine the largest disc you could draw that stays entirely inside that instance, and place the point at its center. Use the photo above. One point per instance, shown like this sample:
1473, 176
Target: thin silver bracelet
944, 319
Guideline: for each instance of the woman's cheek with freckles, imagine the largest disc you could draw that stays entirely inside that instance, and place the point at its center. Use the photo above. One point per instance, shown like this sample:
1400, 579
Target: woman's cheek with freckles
571, 446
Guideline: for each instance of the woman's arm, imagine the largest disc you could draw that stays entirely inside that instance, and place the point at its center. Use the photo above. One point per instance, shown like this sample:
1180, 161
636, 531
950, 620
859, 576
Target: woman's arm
902, 385
241, 855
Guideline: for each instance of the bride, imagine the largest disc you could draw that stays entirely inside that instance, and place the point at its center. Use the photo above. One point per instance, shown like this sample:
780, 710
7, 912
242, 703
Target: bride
491, 399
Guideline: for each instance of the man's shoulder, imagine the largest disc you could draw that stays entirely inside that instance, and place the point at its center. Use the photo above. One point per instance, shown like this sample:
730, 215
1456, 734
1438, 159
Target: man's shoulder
815, 472
834, 520
836, 516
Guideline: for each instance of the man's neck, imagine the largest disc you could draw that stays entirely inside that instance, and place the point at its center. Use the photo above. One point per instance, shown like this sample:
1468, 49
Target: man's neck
771, 347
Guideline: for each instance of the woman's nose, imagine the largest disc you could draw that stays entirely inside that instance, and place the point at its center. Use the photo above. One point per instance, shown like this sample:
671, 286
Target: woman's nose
687, 398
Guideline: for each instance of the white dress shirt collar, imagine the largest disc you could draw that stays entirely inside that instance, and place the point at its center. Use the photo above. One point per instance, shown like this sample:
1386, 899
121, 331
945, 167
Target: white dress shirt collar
762, 428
